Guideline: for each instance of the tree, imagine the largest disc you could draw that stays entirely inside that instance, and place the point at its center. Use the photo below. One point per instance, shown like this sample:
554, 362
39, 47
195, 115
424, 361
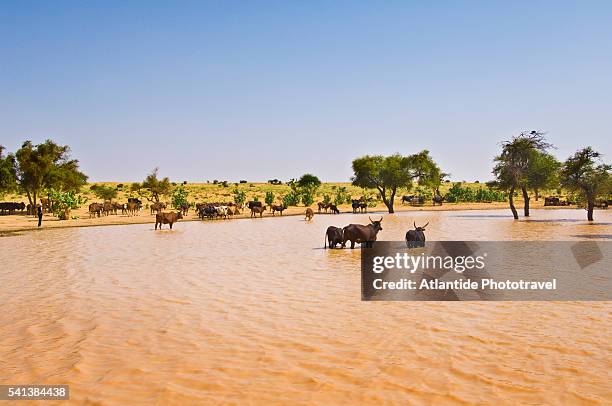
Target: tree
152, 187
64, 202
512, 165
542, 173
8, 173
104, 192
47, 166
584, 173
269, 198
387, 174
179, 197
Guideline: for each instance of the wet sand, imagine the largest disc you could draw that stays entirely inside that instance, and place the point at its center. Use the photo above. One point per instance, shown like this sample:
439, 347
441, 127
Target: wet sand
257, 312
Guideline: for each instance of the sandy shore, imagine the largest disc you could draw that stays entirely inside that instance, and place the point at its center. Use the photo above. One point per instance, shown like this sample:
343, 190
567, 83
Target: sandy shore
21, 222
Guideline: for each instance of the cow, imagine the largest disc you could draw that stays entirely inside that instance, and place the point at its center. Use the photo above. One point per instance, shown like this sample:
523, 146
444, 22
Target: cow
11, 207
207, 211
253, 203
222, 211
416, 237
132, 208
107, 208
437, 199
417, 201
184, 208
359, 205
95, 209
333, 236
357, 233
322, 206
157, 207
257, 210
309, 214
407, 198
334, 209
278, 208
551, 201
167, 218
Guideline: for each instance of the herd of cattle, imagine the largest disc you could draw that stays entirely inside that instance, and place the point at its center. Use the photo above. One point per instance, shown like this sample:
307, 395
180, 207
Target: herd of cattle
358, 233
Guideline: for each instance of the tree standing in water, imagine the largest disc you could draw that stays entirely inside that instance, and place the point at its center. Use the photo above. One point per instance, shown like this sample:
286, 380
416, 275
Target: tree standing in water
513, 165
584, 173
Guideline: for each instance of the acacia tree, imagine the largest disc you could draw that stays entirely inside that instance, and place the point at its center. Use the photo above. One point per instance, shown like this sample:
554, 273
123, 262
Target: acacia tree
105, 192
152, 187
8, 174
585, 173
47, 166
542, 173
387, 174
513, 164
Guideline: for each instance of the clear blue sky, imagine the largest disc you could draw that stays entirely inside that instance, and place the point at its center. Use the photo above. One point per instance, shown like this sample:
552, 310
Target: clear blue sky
258, 90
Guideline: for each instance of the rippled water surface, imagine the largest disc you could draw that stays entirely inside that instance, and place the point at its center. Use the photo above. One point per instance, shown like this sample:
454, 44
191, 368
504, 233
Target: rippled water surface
256, 312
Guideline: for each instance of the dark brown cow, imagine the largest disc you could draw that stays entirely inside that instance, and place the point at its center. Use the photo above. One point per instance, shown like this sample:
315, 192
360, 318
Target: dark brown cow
333, 236
323, 206
334, 209
278, 208
167, 218
357, 233
184, 208
257, 210
437, 199
157, 207
95, 209
133, 208
309, 214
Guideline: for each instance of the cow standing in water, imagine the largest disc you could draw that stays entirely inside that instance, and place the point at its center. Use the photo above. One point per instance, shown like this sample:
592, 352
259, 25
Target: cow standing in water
416, 237
357, 233
167, 218
333, 236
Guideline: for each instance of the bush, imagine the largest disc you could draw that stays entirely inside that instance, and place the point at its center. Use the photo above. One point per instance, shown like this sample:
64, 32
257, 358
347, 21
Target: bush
291, 199
342, 196
179, 197
465, 194
307, 199
326, 199
63, 202
269, 198
239, 196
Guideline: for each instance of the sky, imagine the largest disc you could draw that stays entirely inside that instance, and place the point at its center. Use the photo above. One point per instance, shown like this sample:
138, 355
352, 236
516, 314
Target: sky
260, 90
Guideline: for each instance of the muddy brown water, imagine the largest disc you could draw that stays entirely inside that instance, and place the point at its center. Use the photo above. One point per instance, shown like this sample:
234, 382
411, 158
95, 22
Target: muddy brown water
256, 312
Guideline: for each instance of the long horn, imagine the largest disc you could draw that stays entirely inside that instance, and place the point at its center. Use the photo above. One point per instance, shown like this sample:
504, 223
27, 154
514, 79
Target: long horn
426, 224
380, 219
414, 223
371, 221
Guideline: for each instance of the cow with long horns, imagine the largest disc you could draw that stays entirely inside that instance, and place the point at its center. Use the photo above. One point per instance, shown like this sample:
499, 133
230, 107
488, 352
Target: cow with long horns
357, 233
416, 237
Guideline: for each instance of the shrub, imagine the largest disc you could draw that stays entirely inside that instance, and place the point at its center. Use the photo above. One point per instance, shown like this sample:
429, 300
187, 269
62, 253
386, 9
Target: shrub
179, 197
269, 198
239, 196
291, 199
63, 202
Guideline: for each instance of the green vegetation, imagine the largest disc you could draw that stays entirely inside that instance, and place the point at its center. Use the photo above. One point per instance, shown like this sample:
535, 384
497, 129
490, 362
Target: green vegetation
517, 167
104, 192
388, 174
585, 174
239, 196
269, 198
34, 169
64, 202
8, 173
457, 193
179, 197
152, 187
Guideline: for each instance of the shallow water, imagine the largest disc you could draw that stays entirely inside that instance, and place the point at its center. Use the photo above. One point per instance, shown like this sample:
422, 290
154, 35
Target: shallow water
256, 312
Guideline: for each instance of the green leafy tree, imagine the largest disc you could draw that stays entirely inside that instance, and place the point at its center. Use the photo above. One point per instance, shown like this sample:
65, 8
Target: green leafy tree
342, 196
239, 196
387, 174
152, 188
542, 173
326, 199
291, 199
309, 183
104, 192
513, 165
64, 202
269, 199
8, 173
47, 166
179, 197
585, 174
307, 198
